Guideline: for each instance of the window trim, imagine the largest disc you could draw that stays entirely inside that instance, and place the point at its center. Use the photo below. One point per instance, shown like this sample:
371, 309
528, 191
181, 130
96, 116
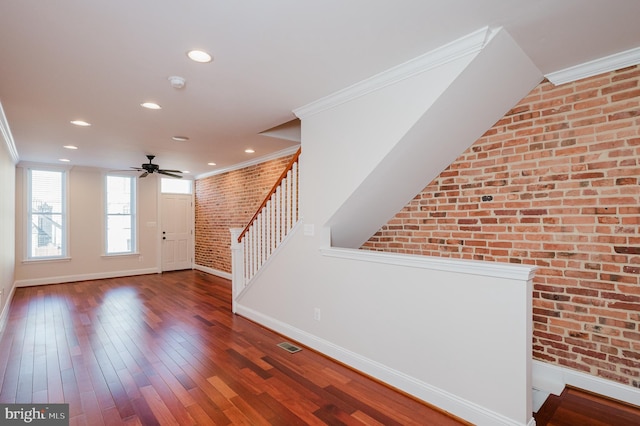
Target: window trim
27, 205
134, 213
191, 189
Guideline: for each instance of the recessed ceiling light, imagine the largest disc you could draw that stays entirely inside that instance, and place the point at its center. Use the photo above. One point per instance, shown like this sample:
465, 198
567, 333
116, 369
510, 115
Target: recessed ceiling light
151, 105
70, 147
180, 138
199, 56
80, 123
249, 151
186, 171
64, 160
211, 164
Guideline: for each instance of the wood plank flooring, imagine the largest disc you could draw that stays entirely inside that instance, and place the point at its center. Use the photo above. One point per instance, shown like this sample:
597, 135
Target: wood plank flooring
164, 349
575, 407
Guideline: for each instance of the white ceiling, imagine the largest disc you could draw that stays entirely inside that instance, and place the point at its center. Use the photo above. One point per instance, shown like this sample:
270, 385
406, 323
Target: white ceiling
98, 60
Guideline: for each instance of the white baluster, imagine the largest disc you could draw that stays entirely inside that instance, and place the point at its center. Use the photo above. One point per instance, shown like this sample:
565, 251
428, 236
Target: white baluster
289, 200
272, 226
283, 210
278, 218
294, 194
263, 237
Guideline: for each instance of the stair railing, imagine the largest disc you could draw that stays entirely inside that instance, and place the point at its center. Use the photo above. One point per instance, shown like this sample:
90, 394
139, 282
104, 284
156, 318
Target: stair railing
276, 216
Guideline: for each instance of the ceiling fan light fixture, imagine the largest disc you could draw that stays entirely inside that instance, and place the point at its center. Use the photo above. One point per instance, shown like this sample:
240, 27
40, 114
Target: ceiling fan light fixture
150, 168
199, 56
150, 105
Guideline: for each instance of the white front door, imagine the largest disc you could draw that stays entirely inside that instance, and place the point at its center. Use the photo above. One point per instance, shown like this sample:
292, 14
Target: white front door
177, 231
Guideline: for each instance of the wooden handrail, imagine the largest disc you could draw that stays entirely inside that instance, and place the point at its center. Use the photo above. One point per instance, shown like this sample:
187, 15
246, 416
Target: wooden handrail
273, 190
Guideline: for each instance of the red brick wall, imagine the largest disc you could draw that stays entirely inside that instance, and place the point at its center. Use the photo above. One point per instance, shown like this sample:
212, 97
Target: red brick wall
229, 200
563, 170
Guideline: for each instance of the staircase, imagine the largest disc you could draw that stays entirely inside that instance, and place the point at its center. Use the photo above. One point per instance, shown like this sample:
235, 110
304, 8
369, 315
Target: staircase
253, 245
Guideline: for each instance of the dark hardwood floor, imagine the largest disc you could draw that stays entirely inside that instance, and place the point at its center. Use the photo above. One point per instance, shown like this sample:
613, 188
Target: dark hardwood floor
575, 407
165, 349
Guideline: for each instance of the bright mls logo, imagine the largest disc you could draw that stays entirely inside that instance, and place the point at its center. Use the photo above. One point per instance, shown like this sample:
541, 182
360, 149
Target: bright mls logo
34, 414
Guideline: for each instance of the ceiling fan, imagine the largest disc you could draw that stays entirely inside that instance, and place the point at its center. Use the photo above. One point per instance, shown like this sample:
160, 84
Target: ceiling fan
149, 167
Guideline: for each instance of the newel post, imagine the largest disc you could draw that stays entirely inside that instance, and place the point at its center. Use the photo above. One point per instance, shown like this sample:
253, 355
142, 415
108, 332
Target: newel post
237, 266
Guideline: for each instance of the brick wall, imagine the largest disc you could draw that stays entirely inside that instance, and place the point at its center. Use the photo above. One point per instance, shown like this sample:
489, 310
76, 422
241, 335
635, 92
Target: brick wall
229, 200
554, 183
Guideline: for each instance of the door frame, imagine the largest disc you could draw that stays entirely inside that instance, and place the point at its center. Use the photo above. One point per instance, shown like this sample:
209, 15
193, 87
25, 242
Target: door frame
192, 219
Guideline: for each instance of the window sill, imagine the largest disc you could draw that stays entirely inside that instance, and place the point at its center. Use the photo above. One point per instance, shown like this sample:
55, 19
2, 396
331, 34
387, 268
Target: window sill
47, 260
119, 255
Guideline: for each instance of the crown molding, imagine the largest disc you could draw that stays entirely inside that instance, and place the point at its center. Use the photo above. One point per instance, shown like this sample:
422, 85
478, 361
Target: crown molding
8, 137
278, 154
595, 67
471, 43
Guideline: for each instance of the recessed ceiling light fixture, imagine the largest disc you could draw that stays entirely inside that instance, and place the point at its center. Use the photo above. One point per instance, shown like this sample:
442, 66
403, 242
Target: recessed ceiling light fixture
199, 56
180, 138
150, 105
70, 147
64, 160
80, 123
249, 151
211, 164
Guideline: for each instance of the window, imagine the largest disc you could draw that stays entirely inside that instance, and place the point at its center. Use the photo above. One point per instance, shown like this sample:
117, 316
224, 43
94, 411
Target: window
47, 214
175, 186
120, 214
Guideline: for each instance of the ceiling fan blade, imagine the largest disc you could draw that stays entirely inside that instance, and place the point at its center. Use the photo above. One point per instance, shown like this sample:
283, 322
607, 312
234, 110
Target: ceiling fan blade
144, 174
166, 172
171, 171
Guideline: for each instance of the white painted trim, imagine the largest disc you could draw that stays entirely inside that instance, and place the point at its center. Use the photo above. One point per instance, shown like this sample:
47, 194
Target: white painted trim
4, 315
424, 391
5, 131
279, 154
469, 44
544, 373
84, 277
598, 66
212, 271
471, 267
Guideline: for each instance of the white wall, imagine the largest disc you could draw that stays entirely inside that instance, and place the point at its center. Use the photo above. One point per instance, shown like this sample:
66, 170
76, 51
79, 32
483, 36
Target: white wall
7, 226
456, 334
86, 235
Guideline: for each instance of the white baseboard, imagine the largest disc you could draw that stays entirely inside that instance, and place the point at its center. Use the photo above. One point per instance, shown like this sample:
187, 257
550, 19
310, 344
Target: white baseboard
212, 271
4, 315
84, 277
550, 377
437, 397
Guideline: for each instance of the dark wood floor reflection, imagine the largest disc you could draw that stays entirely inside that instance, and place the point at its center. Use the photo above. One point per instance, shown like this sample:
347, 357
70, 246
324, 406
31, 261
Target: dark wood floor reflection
165, 349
